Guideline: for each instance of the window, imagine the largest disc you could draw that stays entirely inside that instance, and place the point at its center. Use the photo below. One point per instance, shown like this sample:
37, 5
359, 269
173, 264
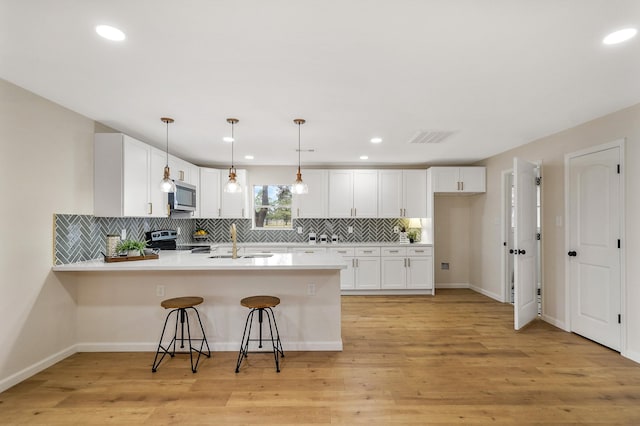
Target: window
272, 207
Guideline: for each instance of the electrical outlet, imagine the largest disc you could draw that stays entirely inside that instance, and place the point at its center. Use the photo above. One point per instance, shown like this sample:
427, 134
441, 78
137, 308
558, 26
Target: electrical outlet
299, 229
160, 290
396, 229
178, 230
123, 234
350, 230
311, 289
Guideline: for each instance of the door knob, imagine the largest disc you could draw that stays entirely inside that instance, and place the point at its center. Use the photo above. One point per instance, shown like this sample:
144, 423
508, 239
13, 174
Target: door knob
510, 251
522, 252
572, 253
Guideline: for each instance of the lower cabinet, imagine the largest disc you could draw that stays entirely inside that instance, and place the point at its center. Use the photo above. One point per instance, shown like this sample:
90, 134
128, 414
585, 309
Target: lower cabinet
406, 268
363, 268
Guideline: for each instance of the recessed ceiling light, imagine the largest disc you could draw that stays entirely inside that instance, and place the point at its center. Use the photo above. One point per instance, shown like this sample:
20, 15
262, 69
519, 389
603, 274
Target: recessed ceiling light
227, 139
110, 33
364, 157
620, 36
248, 157
376, 140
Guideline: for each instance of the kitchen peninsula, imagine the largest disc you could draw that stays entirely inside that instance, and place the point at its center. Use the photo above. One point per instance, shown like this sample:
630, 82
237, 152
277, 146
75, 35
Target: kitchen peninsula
119, 303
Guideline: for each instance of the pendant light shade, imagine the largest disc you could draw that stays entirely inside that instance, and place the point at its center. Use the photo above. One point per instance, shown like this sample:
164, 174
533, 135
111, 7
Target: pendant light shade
299, 187
232, 186
167, 184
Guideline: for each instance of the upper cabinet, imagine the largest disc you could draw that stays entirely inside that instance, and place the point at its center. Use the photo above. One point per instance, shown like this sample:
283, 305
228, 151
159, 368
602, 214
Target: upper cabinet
402, 193
214, 202
127, 175
184, 171
353, 193
458, 179
314, 204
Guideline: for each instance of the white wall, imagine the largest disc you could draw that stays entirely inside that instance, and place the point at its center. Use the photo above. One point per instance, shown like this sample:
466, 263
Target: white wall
46, 167
485, 215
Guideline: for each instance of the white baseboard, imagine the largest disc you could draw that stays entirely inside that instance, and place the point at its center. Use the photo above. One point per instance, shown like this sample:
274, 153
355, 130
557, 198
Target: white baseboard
452, 285
632, 355
554, 321
412, 292
490, 294
214, 346
25, 373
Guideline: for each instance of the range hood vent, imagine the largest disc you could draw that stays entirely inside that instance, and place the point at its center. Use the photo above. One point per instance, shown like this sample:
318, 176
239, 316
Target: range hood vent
430, 136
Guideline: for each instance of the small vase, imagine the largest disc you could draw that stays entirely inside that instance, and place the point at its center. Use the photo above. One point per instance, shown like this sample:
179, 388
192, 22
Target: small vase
133, 253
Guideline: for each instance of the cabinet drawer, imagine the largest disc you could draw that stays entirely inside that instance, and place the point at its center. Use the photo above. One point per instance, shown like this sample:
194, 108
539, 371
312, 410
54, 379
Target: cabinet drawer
419, 251
310, 250
367, 251
258, 250
394, 251
343, 251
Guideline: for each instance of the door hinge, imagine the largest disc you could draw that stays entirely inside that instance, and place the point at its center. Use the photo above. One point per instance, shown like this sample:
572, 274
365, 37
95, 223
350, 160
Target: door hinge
618, 168
618, 243
619, 319
538, 181
539, 291
538, 236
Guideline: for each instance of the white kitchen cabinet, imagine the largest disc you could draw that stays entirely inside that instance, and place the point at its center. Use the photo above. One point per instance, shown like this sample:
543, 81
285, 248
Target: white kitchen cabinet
184, 171
353, 193
314, 204
459, 179
347, 276
402, 193
235, 205
407, 268
363, 267
127, 175
209, 192
309, 250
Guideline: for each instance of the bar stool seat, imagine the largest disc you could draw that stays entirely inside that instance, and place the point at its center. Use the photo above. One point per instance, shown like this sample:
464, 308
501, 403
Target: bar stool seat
261, 304
179, 306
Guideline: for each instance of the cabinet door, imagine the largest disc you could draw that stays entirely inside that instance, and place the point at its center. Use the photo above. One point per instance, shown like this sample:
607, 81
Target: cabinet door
209, 191
315, 203
445, 179
136, 178
234, 205
367, 273
393, 271
414, 188
365, 193
179, 169
158, 199
347, 276
472, 179
340, 193
419, 272
390, 193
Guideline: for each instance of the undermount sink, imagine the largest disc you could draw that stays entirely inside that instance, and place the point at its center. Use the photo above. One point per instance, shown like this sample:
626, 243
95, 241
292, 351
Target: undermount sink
246, 256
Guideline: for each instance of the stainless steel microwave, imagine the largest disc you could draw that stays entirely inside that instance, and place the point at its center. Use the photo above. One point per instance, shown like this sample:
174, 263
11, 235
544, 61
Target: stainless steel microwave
184, 199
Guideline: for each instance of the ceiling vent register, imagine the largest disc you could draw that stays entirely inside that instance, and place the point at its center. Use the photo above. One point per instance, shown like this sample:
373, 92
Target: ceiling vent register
430, 136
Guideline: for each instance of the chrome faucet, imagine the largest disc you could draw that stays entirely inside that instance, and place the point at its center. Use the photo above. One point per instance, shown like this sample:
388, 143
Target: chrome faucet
234, 241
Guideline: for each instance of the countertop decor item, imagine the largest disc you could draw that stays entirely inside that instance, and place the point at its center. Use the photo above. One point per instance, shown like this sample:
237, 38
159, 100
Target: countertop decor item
133, 248
167, 184
299, 187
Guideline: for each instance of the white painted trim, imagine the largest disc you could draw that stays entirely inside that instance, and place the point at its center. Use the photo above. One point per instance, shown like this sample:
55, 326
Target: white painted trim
400, 292
554, 321
452, 285
214, 346
33, 369
494, 296
620, 144
632, 355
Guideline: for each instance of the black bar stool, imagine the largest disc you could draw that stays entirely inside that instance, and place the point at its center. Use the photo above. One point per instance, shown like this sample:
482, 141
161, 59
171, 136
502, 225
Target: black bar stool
179, 306
261, 304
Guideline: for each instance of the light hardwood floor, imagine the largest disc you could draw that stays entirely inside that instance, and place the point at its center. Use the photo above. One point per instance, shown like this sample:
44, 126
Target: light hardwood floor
452, 358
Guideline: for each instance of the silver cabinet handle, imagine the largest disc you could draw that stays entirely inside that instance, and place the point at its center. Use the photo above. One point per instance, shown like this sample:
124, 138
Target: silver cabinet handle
181, 175
298, 212
409, 263
462, 186
149, 208
355, 212
393, 251
405, 262
342, 251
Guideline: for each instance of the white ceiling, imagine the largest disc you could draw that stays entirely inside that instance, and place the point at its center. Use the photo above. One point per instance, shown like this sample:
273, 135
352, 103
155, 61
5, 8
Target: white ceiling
497, 73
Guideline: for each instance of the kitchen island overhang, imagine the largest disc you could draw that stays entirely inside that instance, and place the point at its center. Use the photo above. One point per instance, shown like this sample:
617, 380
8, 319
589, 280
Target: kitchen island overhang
119, 303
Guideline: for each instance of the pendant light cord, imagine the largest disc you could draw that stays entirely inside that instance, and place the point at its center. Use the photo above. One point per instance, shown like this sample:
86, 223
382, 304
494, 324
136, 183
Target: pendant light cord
167, 122
299, 147
233, 141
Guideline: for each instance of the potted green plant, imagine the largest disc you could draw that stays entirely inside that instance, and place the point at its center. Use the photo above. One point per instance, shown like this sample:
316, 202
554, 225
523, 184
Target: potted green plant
412, 234
131, 247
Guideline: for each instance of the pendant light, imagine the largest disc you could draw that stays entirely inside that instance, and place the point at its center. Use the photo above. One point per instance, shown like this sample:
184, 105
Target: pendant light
167, 184
232, 186
299, 187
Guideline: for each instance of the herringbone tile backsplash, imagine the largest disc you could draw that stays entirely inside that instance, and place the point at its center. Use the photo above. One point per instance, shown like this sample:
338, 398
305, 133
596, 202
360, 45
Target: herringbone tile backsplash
83, 237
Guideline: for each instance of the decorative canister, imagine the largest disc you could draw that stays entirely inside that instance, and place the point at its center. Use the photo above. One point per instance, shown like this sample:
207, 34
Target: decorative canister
112, 243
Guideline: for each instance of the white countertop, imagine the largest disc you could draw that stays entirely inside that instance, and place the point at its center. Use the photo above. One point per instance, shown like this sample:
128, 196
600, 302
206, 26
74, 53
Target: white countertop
186, 261
328, 245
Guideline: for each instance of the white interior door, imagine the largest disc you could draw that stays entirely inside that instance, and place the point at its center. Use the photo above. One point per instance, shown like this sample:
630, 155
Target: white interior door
525, 243
594, 256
